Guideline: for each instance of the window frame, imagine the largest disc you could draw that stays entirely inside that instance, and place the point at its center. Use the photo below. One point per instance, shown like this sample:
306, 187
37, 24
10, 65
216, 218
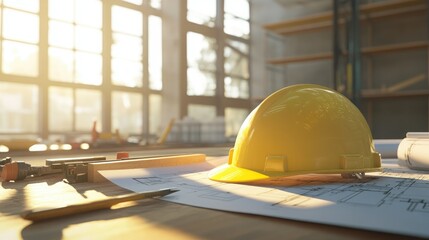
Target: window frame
106, 88
219, 100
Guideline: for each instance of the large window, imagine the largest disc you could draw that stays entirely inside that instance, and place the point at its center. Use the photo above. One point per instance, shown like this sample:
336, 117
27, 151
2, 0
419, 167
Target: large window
127, 113
155, 53
218, 61
20, 38
201, 112
201, 64
75, 41
202, 12
127, 47
18, 104
236, 69
67, 63
73, 110
155, 114
234, 117
236, 20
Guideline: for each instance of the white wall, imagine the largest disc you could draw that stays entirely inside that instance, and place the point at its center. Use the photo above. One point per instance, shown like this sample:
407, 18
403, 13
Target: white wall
171, 61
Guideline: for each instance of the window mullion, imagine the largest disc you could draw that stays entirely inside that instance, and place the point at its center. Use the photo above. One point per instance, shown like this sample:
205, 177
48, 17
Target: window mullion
43, 79
106, 86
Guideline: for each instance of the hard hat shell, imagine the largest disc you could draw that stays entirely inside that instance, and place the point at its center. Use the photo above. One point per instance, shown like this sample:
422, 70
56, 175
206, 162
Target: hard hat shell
300, 129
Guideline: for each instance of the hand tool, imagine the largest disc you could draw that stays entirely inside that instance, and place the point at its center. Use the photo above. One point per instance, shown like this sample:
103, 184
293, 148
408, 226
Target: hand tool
3, 162
40, 214
14, 171
76, 169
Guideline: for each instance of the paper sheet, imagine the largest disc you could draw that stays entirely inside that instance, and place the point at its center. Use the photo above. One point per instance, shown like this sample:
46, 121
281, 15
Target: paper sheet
394, 201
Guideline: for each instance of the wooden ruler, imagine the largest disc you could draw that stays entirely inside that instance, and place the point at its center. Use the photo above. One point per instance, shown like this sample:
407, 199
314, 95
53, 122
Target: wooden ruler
167, 161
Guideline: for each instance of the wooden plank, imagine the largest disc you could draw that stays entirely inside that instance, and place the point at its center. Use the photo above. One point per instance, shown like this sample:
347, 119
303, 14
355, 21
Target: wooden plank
326, 16
304, 58
368, 11
406, 83
414, 9
306, 28
375, 93
392, 91
95, 176
319, 25
395, 47
388, 5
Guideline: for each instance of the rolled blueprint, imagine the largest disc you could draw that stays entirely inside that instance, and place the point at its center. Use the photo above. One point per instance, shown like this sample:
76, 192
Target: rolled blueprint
413, 151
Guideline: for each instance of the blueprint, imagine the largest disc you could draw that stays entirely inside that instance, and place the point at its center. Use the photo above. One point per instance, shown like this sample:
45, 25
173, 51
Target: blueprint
395, 200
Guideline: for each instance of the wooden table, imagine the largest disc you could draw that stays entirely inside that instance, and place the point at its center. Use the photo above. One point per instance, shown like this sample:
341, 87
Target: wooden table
146, 219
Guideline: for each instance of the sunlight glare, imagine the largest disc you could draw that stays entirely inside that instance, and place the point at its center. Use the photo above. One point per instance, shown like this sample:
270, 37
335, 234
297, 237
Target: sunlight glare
20, 58
4, 148
66, 147
121, 19
88, 68
54, 147
202, 11
239, 8
39, 147
84, 146
20, 26
26, 5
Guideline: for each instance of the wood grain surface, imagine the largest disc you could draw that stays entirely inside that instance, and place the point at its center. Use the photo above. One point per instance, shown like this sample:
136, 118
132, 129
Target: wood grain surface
145, 219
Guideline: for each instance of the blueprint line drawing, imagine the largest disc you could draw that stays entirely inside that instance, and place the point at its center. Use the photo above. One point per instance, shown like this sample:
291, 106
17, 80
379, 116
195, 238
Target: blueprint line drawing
150, 181
395, 200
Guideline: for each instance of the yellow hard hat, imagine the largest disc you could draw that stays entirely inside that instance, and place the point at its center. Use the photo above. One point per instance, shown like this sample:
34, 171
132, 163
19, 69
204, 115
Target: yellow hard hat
300, 129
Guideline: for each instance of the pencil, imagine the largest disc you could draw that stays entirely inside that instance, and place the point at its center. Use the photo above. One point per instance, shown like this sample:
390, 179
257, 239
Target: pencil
40, 214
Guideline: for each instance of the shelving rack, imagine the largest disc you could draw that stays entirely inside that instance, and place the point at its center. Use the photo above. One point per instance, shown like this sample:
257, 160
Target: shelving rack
345, 19
368, 11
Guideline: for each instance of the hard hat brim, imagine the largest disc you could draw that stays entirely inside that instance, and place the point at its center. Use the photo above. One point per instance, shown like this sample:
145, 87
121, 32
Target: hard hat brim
232, 174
